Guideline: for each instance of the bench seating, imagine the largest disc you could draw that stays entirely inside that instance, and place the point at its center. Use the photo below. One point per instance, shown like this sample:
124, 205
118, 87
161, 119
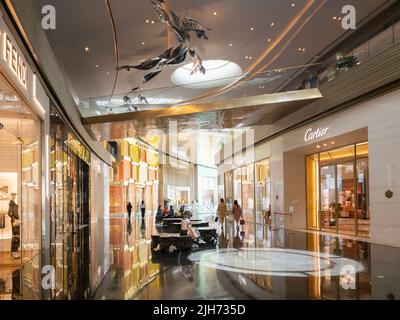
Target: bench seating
164, 241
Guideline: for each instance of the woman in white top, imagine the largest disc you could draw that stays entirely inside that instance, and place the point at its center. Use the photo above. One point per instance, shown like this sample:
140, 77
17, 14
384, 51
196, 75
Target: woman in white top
186, 224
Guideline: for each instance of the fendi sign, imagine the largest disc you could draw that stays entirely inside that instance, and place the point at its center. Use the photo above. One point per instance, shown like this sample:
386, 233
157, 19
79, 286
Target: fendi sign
312, 134
15, 61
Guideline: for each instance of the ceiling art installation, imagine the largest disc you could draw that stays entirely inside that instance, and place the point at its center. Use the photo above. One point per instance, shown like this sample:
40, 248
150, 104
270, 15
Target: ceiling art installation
175, 55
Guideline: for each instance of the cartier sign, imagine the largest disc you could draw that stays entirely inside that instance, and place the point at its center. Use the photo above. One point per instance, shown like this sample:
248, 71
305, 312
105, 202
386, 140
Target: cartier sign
312, 134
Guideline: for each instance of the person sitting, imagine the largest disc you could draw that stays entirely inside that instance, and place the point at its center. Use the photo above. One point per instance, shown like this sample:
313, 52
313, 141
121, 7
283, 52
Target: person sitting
186, 224
159, 215
165, 213
179, 214
171, 212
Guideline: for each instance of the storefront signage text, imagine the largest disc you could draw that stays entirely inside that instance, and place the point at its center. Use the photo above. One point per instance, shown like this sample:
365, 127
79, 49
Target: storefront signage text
15, 61
311, 134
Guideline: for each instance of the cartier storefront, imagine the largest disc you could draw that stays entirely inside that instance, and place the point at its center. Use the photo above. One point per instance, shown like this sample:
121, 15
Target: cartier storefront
338, 175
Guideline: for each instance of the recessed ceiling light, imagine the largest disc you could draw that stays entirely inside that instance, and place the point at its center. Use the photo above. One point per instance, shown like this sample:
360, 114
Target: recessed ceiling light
152, 21
230, 44
272, 24
339, 18
333, 142
318, 147
87, 49
325, 145
252, 28
147, 21
334, 18
250, 58
97, 66
143, 43
293, 4
269, 40
246, 57
107, 73
215, 13
219, 72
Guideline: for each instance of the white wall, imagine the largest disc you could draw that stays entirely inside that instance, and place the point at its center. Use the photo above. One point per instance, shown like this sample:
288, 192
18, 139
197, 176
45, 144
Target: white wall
382, 118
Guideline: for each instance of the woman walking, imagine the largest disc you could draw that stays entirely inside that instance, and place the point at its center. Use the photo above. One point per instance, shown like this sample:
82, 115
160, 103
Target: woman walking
222, 212
129, 208
237, 213
143, 209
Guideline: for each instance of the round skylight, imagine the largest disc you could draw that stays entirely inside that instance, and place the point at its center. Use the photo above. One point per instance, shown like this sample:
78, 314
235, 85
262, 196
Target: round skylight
218, 73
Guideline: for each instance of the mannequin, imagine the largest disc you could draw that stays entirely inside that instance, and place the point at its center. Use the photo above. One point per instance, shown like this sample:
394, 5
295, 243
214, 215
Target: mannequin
13, 214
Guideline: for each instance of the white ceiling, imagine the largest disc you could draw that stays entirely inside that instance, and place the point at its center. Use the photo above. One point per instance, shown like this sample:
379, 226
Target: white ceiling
83, 24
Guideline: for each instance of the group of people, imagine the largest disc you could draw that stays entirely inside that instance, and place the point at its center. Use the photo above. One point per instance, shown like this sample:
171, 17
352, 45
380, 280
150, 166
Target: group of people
236, 214
164, 213
129, 208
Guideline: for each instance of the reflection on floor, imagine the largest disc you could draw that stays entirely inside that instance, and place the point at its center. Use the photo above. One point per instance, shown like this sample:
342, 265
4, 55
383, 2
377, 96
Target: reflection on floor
253, 263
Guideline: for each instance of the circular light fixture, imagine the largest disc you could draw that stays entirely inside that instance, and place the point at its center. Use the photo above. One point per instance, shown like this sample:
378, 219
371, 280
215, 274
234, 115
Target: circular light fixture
218, 73
276, 262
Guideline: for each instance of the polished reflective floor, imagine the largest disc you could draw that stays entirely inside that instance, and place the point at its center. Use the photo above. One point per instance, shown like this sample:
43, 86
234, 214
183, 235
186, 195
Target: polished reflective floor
251, 263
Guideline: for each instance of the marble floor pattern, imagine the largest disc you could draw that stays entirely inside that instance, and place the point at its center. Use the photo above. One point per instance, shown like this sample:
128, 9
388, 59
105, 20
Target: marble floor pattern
251, 263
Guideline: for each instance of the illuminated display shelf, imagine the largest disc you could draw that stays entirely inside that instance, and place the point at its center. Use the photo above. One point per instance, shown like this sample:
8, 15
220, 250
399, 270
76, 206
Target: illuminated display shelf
134, 177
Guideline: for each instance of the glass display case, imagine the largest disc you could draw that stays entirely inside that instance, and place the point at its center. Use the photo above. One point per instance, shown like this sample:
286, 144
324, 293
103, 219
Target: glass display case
248, 193
70, 212
263, 191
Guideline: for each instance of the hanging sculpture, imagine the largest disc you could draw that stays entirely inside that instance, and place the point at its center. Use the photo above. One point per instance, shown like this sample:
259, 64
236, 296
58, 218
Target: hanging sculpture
174, 55
128, 100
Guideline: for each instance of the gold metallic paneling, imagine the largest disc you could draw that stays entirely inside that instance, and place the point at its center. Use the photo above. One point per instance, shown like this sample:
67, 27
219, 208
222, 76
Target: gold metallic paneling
248, 111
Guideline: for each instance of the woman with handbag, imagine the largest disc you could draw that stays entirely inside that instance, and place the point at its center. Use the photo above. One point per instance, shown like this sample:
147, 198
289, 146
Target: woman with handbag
222, 212
237, 213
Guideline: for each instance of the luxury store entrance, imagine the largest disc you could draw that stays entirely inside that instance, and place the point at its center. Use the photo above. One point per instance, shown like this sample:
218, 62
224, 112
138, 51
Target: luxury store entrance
337, 190
20, 192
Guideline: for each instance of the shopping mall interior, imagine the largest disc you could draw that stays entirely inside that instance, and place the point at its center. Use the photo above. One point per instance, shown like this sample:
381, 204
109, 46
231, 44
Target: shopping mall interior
199, 150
